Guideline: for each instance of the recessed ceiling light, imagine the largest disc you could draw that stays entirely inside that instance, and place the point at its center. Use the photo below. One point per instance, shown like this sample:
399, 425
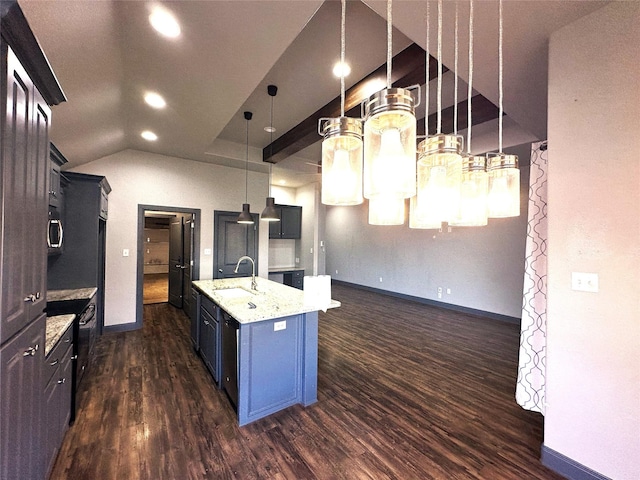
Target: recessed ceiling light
149, 136
164, 22
269, 129
154, 100
340, 67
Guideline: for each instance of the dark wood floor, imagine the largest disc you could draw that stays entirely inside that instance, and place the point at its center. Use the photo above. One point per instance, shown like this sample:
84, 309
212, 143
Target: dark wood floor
405, 391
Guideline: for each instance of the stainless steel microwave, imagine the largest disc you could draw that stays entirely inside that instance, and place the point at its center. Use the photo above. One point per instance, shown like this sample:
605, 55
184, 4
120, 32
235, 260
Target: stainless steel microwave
55, 232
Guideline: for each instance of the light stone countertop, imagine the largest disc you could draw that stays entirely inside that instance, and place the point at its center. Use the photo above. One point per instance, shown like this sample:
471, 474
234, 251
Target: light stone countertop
271, 300
71, 294
56, 326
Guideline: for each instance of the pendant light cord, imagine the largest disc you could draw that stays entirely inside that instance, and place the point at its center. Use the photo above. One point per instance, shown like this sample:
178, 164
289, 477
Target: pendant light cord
427, 80
246, 176
389, 43
455, 77
500, 62
470, 86
439, 126
270, 142
342, 50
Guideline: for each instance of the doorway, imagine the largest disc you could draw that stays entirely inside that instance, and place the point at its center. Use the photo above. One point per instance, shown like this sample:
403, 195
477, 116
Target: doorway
232, 240
168, 256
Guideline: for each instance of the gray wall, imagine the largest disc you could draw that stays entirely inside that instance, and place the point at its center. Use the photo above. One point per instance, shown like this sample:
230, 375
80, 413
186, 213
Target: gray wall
482, 266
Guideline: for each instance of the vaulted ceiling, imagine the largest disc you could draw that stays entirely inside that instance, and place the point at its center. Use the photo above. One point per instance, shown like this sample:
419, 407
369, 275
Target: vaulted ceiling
106, 55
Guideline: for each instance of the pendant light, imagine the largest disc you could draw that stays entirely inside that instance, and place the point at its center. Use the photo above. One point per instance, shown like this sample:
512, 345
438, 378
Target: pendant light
504, 176
386, 210
472, 211
341, 147
245, 216
270, 213
439, 163
390, 139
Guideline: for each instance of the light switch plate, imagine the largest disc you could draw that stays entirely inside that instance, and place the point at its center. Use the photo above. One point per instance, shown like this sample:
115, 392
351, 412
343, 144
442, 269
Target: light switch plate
125, 252
585, 282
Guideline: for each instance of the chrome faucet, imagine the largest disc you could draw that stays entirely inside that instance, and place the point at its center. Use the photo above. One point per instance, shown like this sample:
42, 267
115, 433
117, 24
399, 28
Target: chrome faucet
254, 285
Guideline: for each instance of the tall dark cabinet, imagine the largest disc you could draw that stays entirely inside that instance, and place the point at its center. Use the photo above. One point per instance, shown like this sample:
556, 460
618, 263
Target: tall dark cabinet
27, 90
83, 262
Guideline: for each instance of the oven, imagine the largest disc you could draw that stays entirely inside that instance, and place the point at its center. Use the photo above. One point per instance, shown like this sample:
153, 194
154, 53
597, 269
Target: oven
86, 337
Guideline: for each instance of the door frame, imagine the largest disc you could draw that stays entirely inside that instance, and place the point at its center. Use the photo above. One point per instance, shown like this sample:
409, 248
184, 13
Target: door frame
195, 272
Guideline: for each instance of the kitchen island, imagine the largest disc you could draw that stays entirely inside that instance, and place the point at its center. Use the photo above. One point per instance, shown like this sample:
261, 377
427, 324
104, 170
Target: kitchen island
260, 345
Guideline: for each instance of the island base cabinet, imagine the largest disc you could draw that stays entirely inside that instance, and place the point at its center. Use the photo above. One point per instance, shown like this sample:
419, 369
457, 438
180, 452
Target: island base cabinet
278, 362
209, 337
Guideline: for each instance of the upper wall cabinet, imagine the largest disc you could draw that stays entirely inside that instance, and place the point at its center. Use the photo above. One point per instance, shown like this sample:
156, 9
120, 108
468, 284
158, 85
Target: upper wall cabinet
290, 224
55, 188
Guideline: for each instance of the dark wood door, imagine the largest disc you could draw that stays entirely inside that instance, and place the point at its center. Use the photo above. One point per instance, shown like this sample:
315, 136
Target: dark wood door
176, 259
187, 248
232, 241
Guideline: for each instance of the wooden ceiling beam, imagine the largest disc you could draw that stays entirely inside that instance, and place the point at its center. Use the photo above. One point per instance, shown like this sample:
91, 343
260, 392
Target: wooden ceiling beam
408, 68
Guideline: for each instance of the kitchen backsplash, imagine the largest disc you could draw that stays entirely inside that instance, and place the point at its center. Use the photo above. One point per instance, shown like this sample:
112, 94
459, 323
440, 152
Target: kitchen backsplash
282, 253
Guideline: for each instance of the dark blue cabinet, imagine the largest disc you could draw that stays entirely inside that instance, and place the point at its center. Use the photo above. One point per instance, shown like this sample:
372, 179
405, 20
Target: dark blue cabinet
209, 339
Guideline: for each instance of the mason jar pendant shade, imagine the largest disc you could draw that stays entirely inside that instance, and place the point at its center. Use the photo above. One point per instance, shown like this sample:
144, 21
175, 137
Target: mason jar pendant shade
342, 161
439, 177
504, 186
386, 210
389, 144
473, 210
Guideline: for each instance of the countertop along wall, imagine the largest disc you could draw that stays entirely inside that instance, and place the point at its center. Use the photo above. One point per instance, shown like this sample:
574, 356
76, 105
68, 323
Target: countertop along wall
482, 266
593, 339
143, 178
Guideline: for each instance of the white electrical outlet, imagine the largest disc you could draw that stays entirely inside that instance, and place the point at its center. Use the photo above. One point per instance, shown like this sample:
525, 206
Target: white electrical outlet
282, 325
439, 292
380, 279
336, 272
584, 282
125, 252
207, 251
448, 291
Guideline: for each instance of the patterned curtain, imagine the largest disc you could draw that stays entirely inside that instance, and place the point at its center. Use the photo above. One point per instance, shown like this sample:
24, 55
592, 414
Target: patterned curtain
530, 389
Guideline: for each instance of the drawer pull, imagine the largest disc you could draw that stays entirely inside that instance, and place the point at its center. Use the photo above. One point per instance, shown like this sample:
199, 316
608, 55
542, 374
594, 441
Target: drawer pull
31, 351
61, 381
55, 362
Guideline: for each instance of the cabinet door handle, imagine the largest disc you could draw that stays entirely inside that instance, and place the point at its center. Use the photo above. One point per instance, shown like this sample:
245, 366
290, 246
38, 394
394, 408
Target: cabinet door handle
30, 298
61, 381
55, 362
31, 351
206, 322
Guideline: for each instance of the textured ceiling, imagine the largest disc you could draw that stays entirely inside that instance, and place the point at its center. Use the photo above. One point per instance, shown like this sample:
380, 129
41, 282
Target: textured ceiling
106, 55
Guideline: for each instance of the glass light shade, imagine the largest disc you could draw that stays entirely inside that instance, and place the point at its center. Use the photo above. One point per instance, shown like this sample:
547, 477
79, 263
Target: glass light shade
424, 207
270, 213
473, 210
439, 177
504, 186
389, 144
386, 210
342, 162
245, 215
